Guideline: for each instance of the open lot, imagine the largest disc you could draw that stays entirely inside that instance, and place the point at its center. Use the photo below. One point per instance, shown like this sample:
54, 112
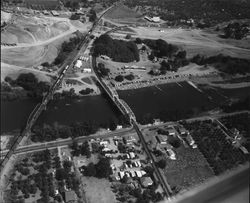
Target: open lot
98, 190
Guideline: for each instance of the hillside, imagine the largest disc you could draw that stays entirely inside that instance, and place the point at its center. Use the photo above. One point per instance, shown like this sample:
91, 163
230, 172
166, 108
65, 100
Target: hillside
213, 11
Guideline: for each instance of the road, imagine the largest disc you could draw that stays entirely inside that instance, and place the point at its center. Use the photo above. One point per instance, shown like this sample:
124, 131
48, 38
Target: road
64, 142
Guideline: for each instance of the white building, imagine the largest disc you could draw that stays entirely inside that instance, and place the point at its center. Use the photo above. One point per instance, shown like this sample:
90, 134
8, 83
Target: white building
78, 64
87, 70
156, 19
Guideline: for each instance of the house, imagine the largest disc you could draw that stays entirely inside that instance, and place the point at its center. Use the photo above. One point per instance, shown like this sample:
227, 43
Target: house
160, 139
132, 155
146, 181
190, 140
78, 64
182, 130
45, 12
138, 174
121, 174
171, 131
70, 196
104, 143
171, 154
54, 13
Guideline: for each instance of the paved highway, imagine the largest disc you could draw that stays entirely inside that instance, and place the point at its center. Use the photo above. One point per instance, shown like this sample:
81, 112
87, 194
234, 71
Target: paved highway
68, 141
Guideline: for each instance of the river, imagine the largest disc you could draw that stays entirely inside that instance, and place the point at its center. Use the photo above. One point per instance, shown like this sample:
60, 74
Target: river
151, 100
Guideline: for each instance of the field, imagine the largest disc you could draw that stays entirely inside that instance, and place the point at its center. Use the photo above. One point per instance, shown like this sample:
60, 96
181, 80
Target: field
190, 168
98, 190
123, 14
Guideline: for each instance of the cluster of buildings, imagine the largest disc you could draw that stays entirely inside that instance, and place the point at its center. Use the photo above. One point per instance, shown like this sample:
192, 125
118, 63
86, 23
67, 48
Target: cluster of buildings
79, 64
161, 140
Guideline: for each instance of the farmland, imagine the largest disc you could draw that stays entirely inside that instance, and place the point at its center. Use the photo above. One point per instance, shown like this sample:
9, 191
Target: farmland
239, 122
214, 145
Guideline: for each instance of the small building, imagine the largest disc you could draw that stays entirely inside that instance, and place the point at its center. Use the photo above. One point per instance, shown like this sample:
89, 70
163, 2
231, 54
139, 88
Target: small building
146, 181
132, 155
78, 64
104, 142
70, 196
182, 130
171, 131
171, 154
105, 57
160, 139
54, 13
118, 127
45, 12
87, 70
138, 174
155, 19
121, 174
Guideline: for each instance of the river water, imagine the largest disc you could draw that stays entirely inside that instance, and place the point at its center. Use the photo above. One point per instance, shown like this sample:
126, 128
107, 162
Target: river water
150, 100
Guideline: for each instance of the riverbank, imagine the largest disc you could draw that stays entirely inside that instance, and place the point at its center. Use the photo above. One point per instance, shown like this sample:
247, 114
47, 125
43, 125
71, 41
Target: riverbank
208, 79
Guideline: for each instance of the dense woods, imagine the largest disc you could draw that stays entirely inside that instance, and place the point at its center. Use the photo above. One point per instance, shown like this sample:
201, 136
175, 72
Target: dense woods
118, 50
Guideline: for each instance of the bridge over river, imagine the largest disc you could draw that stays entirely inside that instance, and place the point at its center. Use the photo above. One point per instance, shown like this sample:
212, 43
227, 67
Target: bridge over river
127, 111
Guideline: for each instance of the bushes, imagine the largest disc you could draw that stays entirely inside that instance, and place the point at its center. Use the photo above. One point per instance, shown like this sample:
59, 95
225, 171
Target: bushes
100, 170
86, 91
118, 50
119, 78
74, 17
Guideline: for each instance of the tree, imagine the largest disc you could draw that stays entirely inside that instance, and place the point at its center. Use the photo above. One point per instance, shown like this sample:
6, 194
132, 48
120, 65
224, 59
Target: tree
74, 17
129, 77
85, 150
138, 41
162, 163
128, 36
119, 78
151, 56
112, 124
92, 16
103, 169
60, 174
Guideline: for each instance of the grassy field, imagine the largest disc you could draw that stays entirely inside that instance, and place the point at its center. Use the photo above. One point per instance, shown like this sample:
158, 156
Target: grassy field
189, 169
122, 12
98, 190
